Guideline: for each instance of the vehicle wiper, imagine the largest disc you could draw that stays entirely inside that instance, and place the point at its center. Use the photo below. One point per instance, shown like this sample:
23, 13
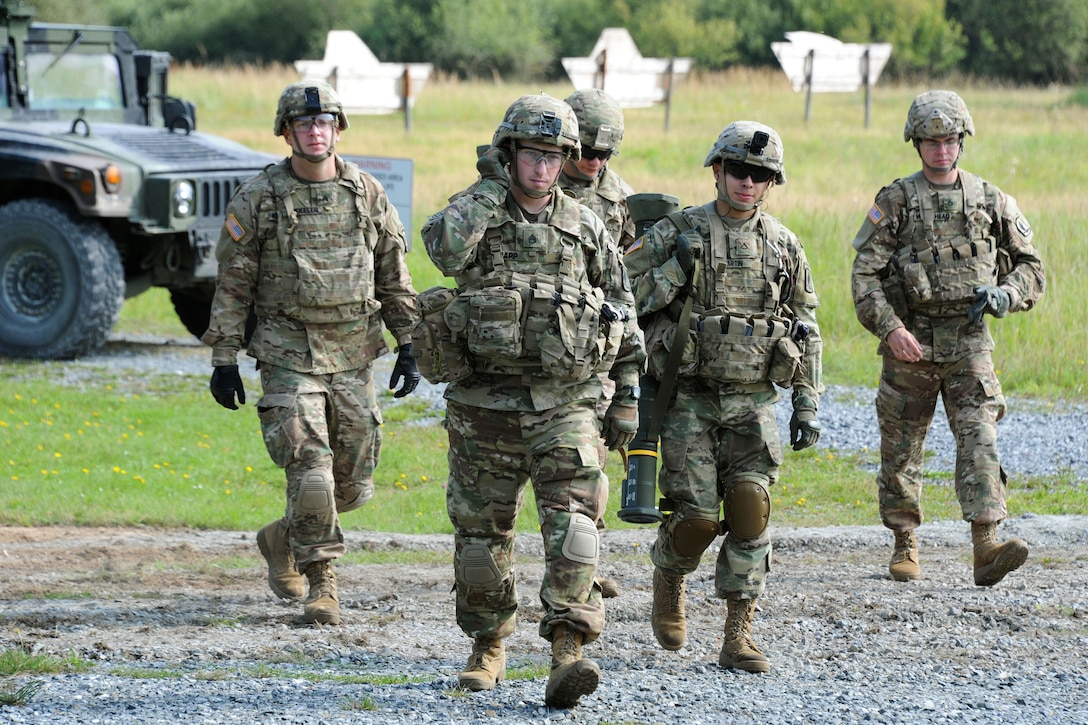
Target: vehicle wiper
77, 38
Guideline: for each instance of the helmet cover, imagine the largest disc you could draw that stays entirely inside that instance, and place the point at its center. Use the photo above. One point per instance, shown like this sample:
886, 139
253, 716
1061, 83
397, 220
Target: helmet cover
308, 98
540, 118
751, 143
600, 119
937, 114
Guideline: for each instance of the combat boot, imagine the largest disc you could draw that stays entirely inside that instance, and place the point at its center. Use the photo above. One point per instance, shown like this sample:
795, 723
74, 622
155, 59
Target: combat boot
668, 620
283, 579
609, 588
904, 564
572, 675
322, 605
486, 665
992, 560
739, 651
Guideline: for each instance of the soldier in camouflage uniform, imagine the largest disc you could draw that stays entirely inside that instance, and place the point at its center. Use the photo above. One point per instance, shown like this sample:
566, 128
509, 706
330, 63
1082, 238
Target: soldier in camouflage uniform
751, 325
543, 305
938, 250
591, 181
312, 247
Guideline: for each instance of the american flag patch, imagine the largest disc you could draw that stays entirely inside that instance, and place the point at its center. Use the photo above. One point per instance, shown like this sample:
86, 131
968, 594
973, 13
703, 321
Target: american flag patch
876, 214
234, 229
636, 245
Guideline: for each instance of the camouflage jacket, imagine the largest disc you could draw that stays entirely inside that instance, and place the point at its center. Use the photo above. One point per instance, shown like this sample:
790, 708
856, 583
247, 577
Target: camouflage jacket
283, 237
453, 239
607, 197
734, 281
895, 229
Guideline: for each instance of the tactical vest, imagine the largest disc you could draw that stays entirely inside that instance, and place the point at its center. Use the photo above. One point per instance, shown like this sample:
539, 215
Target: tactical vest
528, 307
947, 246
740, 331
316, 262
604, 197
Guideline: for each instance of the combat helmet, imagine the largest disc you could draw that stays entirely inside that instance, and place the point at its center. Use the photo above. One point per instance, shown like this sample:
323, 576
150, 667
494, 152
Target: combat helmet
600, 119
937, 114
305, 99
540, 118
752, 143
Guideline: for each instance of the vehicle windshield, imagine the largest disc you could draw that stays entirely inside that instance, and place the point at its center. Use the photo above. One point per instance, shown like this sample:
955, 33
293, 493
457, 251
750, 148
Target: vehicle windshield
72, 81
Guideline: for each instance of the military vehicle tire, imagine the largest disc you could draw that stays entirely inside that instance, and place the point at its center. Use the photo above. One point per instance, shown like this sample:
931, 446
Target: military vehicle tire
61, 281
194, 308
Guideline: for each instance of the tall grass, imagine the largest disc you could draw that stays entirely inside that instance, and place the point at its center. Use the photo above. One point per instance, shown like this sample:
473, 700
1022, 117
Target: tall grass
1028, 142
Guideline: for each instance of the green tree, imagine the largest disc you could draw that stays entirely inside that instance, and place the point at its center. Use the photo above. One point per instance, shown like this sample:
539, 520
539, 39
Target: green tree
1043, 41
576, 24
228, 31
395, 31
664, 28
488, 37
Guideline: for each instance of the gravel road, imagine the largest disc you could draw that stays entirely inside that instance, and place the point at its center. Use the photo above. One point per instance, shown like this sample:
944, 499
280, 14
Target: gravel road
179, 626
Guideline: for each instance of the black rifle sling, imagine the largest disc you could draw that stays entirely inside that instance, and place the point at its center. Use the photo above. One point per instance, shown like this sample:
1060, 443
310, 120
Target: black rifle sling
679, 341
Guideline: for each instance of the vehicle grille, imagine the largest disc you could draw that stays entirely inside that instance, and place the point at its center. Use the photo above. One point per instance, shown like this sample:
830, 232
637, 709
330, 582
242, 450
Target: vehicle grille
215, 194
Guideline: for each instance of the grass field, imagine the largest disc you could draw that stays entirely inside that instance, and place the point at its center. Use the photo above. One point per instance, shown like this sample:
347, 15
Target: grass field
157, 451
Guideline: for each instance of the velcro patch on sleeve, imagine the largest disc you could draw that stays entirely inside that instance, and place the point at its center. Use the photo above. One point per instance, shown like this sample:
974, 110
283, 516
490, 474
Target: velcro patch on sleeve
876, 214
1023, 227
234, 228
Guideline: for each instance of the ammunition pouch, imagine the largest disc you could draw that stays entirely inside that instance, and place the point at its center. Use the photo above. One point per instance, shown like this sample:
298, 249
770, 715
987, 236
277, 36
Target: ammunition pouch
728, 349
537, 324
440, 356
946, 286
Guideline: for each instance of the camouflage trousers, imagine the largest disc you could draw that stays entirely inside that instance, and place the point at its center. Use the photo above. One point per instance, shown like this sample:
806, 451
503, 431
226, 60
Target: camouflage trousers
973, 402
492, 455
713, 437
325, 431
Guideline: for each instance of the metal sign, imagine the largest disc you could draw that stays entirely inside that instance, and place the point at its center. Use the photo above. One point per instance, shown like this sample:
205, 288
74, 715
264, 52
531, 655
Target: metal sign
396, 176
616, 66
818, 63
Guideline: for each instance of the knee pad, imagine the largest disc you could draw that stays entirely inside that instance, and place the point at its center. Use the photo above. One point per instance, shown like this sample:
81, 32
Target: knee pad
581, 543
354, 495
476, 568
693, 534
747, 505
315, 493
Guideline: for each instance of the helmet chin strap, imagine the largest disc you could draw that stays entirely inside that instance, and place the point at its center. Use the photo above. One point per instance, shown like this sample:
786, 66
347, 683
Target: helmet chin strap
296, 148
939, 169
723, 196
572, 169
531, 193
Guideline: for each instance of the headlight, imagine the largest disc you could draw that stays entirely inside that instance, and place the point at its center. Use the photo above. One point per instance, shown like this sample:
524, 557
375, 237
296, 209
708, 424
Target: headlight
184, 198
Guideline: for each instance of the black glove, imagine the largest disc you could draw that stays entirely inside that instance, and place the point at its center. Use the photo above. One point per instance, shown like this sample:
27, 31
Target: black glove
689, 247
804, 429
404, 369
225, 383
621, 419
988, 299
492, 165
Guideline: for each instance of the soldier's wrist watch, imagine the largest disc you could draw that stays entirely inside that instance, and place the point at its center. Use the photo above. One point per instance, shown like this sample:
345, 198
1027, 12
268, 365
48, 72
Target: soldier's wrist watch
632, 392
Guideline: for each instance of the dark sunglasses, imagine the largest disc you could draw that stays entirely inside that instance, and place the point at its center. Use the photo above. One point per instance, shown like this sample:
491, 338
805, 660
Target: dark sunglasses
743, 171
594, 154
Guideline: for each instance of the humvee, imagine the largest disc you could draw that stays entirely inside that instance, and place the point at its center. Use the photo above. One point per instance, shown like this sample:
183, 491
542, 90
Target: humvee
106, 187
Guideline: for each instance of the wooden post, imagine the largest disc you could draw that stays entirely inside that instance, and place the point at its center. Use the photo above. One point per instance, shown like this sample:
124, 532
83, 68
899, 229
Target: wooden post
407, 102
668, 92
602, 68
810, 61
